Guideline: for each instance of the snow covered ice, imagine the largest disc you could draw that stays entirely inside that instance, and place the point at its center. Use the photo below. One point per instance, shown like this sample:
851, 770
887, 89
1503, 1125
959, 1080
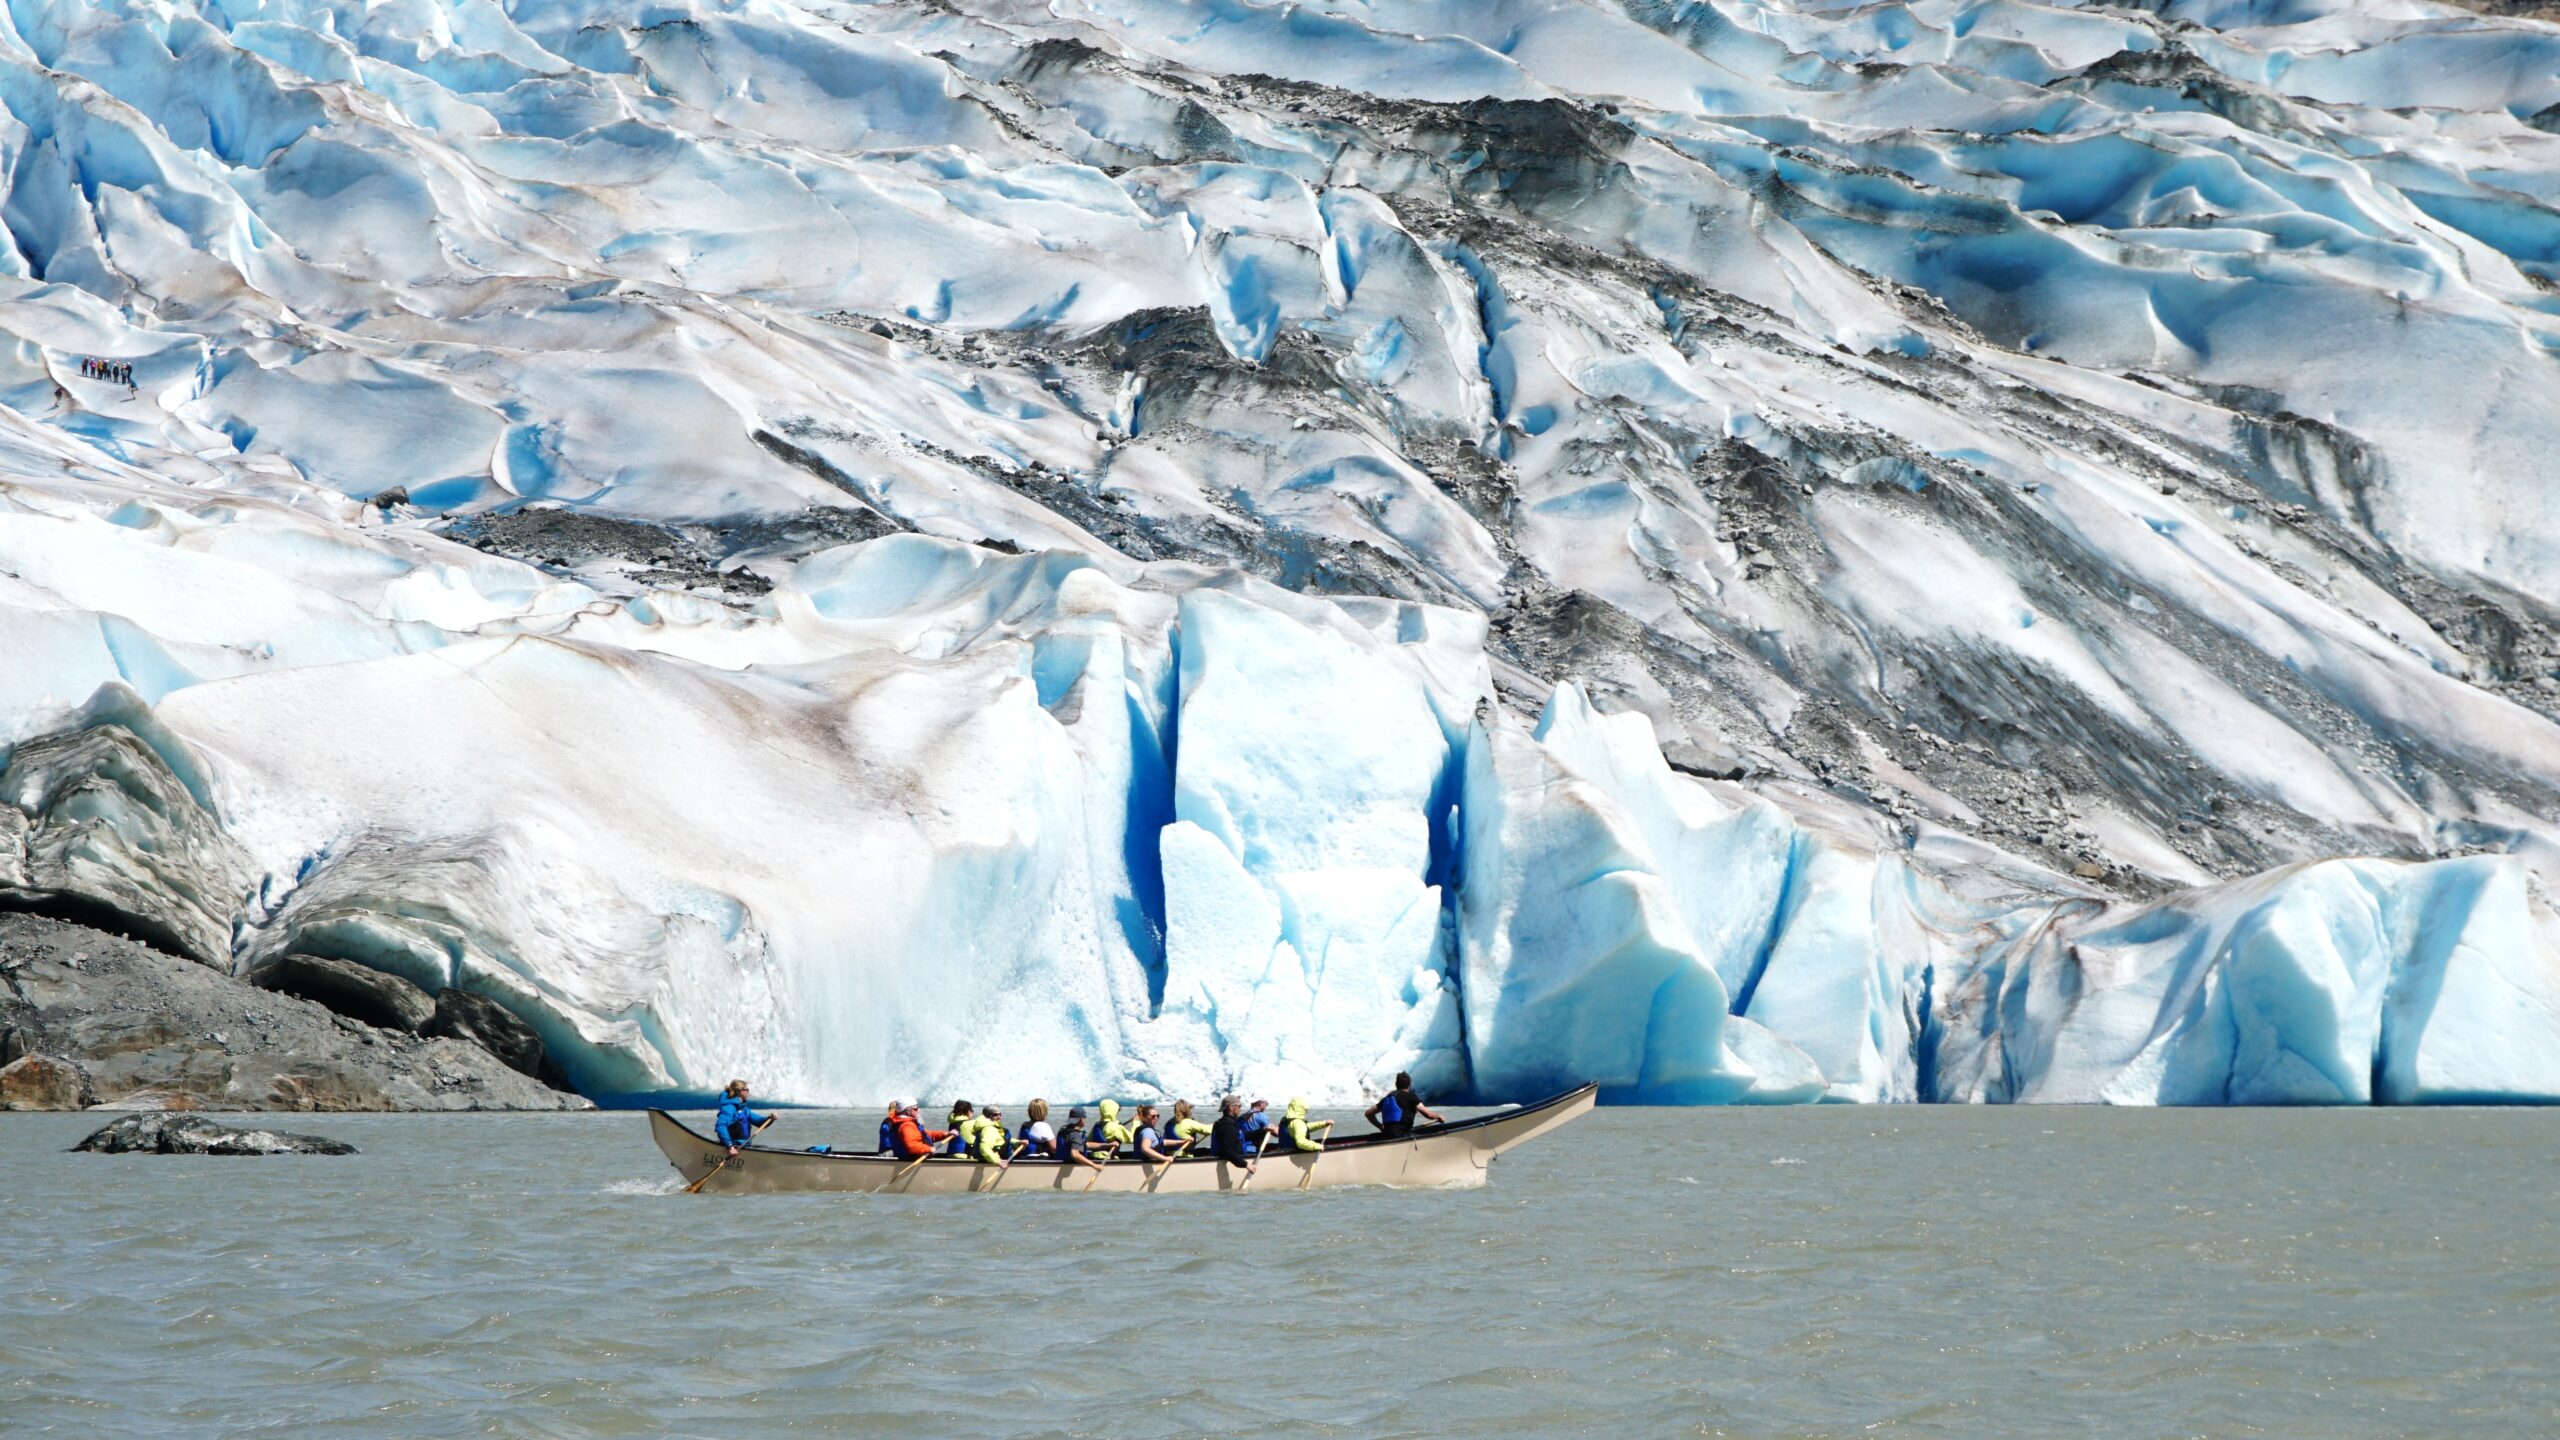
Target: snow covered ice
1745, 552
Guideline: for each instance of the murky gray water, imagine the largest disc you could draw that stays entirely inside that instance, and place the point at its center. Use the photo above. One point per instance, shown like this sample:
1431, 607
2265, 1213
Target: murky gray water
1834, 1272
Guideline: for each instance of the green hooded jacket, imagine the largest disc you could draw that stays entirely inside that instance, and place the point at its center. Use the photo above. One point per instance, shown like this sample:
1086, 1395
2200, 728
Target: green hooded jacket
1293, 1126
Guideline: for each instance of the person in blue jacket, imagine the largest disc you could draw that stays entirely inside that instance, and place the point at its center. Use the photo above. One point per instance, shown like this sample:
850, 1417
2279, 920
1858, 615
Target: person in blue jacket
1254, 1124
737, 1124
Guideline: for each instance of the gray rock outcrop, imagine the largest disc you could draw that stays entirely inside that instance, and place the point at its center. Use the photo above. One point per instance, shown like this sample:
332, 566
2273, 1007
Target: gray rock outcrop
43, 1082
358, 992
461, 1015
195, 1135
154, 1032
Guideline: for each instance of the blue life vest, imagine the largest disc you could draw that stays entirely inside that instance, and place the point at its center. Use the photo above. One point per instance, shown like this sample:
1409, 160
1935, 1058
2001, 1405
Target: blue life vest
1389, 1112
888, 1137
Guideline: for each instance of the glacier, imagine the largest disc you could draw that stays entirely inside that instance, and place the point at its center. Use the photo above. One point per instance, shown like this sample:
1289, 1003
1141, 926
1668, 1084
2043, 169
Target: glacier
1749, 551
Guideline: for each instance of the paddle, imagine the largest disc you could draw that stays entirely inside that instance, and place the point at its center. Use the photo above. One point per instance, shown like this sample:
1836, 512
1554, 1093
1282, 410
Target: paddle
1309, 1178
1257, 1159
696, 1187
1018, 1147
1167, 1163
1109, 1151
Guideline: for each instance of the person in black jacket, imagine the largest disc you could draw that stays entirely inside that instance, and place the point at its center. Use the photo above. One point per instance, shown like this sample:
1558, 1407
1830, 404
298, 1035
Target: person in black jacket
1226, 1137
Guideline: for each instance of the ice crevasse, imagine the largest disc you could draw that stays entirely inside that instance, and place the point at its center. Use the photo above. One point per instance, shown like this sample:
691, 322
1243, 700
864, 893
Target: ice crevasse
932, 817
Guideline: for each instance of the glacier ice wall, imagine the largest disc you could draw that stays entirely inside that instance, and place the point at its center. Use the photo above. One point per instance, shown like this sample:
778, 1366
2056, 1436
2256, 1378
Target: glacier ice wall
1752, 550
1001, 823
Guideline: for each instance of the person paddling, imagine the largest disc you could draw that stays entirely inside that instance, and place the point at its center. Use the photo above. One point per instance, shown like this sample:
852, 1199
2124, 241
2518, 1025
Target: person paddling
1075, 1142
1255, 1123
1111, 1132
889, 1130
1227, 1138
963, 1121
1185, 1129
1396, 1110
737, 1125
1150, 1140
1294, 1126
913, 1140
989, 1142
1038, 1140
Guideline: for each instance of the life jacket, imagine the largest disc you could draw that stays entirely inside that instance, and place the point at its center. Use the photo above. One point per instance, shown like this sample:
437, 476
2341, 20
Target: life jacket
962, 1127
1147, 1135
1390, 1113
1293, 1126
889, 1136
911, 1139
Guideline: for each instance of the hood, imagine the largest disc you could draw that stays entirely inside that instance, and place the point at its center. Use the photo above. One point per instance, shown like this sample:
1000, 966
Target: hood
1110, 1111
1297, 1111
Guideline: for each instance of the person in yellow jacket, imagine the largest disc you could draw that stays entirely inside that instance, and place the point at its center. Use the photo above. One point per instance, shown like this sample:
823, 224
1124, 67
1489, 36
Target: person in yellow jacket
1183, 1129
964, 1127
1294, 1127
1112, 1132
990, 1143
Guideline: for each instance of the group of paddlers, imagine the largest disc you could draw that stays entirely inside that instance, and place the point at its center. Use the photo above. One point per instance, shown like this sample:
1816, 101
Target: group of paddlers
1238, 1136
113, 371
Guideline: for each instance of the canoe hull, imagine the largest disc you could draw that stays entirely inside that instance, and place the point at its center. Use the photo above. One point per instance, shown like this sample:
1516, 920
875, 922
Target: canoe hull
1443, 1156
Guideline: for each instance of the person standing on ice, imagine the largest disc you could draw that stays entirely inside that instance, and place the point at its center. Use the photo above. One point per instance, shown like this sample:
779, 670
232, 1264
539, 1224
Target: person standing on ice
914, 1141
1396, 1110
737, 1125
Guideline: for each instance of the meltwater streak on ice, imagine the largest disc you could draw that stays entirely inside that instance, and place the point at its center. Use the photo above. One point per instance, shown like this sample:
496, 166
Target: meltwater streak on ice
1960, 1273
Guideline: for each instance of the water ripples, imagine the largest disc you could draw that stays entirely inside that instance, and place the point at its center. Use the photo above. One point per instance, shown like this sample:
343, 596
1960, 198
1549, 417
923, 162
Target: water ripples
1953, 1273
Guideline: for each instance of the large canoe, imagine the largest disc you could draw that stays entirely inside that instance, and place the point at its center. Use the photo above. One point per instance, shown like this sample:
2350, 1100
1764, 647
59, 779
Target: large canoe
1438, 1155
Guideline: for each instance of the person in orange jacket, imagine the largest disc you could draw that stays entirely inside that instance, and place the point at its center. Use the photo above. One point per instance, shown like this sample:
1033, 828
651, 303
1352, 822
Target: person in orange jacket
914, 1141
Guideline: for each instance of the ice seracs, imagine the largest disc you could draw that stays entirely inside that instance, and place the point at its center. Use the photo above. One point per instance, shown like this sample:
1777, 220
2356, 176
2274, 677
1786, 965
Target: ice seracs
1748, 551
1011, 823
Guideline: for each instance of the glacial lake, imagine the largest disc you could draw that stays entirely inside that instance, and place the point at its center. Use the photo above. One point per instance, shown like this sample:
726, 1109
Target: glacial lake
1775, 1273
